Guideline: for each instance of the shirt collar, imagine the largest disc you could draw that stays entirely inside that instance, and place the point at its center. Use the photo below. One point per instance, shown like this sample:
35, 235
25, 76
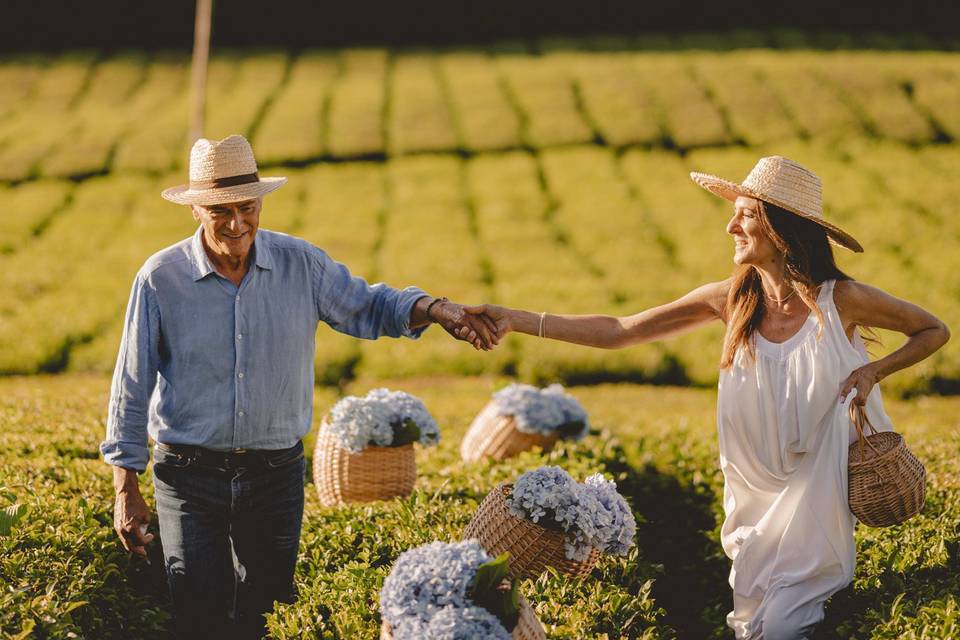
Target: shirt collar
262, 255
202, 267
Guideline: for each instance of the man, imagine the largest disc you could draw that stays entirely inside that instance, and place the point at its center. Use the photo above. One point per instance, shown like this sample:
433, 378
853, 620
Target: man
216, 365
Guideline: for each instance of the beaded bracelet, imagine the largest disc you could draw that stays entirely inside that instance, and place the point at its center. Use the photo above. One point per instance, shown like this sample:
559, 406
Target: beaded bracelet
433, 302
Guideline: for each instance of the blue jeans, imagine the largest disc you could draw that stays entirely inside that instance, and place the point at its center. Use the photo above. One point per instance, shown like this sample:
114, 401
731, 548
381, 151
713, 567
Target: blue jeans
230, 539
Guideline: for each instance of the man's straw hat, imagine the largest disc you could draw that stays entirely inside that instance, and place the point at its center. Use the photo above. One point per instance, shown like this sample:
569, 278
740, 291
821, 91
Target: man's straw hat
788, 185
220, 172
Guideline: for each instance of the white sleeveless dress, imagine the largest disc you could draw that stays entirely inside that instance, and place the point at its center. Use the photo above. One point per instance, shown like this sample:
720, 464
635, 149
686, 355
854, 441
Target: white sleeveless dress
783, 450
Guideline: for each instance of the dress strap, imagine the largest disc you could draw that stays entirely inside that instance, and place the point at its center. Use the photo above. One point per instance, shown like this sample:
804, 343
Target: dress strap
826, 294
831, 314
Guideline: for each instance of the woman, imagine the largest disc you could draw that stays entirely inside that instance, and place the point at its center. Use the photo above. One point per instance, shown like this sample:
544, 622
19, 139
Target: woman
792, 361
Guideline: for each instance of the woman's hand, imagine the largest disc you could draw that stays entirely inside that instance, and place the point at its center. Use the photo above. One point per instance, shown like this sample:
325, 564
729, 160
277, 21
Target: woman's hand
478, 329
499, 315
862, 380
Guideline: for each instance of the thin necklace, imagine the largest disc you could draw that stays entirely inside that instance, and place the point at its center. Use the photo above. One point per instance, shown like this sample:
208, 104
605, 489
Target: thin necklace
780, 300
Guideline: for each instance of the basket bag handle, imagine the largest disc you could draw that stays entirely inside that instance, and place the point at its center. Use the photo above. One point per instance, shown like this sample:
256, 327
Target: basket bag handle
861, 423
858, 415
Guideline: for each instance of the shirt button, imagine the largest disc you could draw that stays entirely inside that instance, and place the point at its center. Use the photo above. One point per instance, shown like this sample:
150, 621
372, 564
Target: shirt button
239, 336
240, 375
240, 414
238, 298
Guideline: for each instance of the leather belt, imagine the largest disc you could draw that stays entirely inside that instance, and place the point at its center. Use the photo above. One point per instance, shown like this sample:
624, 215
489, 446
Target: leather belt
235, 459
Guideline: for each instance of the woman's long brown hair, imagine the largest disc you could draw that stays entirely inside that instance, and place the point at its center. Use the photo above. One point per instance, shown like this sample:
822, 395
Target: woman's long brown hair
808, 263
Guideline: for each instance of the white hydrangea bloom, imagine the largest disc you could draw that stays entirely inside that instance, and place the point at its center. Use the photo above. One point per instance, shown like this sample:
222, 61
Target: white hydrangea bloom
429, 578
454, 623
542, 410
592, 514
357, 422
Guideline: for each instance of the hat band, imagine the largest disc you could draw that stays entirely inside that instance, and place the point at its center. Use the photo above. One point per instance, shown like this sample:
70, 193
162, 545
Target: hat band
229, 181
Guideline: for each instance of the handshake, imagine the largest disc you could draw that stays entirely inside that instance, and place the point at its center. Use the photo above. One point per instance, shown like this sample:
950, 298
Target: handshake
483, 326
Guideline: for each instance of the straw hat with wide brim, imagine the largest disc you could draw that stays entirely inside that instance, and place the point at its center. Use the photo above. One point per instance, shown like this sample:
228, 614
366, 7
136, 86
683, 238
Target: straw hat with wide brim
786, 184
220, 172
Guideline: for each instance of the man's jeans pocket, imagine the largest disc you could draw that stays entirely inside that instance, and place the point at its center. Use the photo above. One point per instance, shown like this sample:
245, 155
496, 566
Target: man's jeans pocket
282, 458
170, 459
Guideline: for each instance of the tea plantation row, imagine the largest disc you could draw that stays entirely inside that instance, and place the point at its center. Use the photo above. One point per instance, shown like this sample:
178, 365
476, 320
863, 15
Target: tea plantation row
65, 574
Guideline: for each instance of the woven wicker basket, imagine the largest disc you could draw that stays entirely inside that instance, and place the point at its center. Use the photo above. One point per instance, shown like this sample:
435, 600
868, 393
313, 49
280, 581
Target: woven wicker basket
528, 627
497, 437
887, 483
532, 547
376, 473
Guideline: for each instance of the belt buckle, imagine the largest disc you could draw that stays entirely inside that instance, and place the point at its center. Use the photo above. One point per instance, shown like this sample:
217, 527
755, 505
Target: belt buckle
230, 462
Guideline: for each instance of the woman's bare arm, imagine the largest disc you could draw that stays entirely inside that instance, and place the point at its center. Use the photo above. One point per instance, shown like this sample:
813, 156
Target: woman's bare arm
700, 306
865, 306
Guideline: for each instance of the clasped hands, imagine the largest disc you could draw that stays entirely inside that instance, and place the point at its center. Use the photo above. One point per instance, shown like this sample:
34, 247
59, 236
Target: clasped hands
482, 326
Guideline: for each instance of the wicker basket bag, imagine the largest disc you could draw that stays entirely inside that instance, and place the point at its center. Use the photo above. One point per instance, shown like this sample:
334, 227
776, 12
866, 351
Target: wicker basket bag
498, 437
887, 482
532, 547
376, 473
528, 626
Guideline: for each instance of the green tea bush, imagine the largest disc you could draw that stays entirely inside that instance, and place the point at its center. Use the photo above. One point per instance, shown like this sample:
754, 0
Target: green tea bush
690, 117
420, 114
293, 128
881, 105
550, 184
99, 119
239, 107
755, 111
31, 133
357, 105
484, 117
817, 109
621, 106
543, 94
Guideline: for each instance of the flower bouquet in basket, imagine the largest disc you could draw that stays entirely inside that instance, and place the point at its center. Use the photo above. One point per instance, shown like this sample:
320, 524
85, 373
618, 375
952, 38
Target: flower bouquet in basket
548, 519
520, 417
454, 591
364, 449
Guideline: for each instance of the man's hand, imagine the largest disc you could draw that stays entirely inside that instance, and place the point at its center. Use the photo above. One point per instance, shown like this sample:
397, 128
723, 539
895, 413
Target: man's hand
130, 513
475, 328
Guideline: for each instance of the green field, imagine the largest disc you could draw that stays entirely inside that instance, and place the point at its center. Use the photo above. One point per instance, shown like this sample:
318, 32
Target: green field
69, 574
550, 180
549, 176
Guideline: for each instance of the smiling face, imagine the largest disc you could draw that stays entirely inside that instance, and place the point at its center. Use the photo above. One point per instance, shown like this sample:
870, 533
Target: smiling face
229, 229
752, 245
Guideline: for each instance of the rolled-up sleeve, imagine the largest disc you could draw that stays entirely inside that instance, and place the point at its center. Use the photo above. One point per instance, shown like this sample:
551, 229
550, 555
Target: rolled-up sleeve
134, 379
351, 305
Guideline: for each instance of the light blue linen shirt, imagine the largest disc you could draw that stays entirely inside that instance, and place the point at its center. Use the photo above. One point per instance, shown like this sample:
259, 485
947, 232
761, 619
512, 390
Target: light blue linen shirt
204, 362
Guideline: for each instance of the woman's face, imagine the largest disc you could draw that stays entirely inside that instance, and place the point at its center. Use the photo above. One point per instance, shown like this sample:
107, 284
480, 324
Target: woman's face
751, 244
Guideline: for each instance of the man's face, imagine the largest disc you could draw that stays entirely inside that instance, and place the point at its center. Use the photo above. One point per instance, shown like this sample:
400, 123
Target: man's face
229, 229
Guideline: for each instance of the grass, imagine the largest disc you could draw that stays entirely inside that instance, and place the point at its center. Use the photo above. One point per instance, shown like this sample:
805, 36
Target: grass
71, 575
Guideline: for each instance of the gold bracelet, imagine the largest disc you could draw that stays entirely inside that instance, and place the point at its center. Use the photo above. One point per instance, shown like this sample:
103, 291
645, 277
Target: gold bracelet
540, 332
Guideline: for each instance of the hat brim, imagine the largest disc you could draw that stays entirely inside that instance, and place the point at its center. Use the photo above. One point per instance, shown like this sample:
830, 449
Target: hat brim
731, 190
183, 194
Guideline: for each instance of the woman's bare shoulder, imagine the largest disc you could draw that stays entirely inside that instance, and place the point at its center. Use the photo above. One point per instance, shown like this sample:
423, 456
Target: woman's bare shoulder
849, 294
